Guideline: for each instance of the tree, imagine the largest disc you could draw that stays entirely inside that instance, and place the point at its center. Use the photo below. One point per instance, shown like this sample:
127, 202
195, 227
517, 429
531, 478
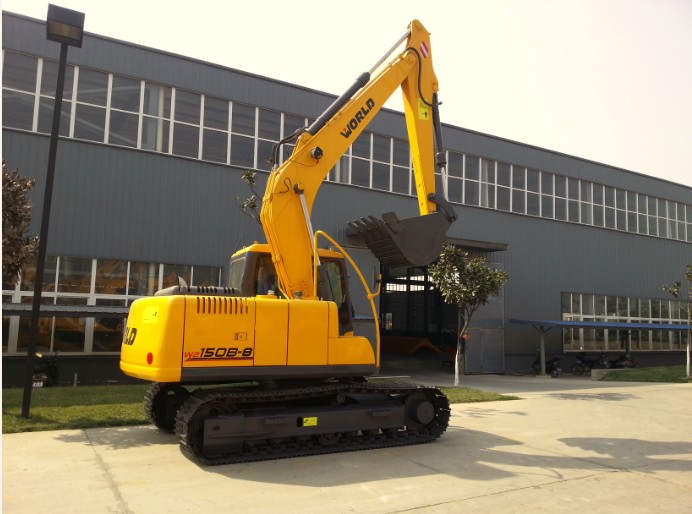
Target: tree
467, 284
252, 204
17, 246
675, 290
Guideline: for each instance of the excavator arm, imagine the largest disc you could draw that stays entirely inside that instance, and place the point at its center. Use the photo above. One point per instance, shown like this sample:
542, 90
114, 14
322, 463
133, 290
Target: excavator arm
293, 186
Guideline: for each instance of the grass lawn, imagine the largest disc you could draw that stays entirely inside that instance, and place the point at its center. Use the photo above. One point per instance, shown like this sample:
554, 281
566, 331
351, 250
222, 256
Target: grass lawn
59, 408
675, 374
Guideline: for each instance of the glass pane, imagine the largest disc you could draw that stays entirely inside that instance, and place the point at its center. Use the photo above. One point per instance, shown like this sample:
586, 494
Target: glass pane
503, 174
157, 100
45, 116
243, 119
340, 171
68, 335
264, 154
49, 80
620, 199
125, 93
518, 201
108, 332
586, 213
155, 134
487, 171
560, 209
560, 186
74, 275
546, 206
547, 183
598, 194
586, 195
402, 157
205, 276
269, 125
144, 279
123, 129
572, 189
214, 145
17, 110
360, 172
19, 72
361, 146
111, 276
380, 148
171, 272
471, 192
185, 140
400, 181
598, 215
215, 113
454, 186
27, 282
487, 195
380, 176
92, 87
242, 151
455, 164
609, 199
620, 220
292, 123
573, 211
518, 177
187, 106
503, 195
533, 204
471, 163
532, 180
90, 123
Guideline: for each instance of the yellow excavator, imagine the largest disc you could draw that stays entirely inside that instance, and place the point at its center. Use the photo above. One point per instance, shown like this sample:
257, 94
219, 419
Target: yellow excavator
277, 367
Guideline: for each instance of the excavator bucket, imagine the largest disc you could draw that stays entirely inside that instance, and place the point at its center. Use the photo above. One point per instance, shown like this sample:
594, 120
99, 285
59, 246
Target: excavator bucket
404, 243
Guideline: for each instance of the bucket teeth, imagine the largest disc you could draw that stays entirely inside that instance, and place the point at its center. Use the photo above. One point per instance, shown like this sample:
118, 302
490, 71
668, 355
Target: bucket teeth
403, 243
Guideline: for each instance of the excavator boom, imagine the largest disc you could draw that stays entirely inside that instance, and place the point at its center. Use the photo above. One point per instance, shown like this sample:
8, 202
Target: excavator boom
293, 186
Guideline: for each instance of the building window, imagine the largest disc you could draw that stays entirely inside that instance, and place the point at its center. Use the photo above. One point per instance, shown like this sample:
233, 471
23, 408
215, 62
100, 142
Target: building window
622, 309
117, 110
90, 282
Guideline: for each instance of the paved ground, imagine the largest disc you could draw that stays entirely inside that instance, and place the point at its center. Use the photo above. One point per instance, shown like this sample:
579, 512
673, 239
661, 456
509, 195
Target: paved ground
568, 445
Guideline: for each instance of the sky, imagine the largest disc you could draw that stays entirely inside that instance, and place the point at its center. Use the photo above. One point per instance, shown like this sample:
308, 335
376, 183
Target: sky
605, 80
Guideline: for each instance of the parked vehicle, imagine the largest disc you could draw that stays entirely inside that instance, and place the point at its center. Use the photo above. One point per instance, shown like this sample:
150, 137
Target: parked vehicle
583, 363
603, 362
46, 373
552, 366
625, 361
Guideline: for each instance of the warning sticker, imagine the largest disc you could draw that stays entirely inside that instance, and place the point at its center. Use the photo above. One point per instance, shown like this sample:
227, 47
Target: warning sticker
424, 49
310, 422
151, 315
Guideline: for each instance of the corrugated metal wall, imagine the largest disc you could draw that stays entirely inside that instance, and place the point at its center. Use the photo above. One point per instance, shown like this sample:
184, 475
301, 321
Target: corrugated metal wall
128, 204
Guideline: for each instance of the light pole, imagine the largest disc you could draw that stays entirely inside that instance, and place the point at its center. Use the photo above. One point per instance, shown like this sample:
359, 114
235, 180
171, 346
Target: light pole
66, 27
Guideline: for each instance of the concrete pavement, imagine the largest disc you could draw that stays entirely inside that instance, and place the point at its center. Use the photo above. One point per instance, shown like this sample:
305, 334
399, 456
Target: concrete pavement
569, 444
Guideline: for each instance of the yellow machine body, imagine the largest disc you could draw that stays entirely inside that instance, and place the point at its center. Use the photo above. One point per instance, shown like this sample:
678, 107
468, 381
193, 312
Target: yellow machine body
211, 338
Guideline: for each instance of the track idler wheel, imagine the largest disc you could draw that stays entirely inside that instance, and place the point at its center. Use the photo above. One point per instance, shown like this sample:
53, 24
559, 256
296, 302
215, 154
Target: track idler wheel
420, 411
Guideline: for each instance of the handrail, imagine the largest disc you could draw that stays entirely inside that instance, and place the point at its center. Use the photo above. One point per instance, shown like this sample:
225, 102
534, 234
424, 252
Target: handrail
370, 294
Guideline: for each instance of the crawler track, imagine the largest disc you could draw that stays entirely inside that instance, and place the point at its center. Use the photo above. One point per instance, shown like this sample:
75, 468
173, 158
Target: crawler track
233, 425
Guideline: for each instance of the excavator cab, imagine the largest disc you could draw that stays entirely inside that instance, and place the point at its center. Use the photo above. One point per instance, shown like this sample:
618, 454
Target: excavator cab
252, 273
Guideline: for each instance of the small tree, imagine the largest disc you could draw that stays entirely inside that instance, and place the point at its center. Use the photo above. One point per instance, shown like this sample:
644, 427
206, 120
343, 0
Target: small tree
252, 204
17, 246
468, 284
675, 290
